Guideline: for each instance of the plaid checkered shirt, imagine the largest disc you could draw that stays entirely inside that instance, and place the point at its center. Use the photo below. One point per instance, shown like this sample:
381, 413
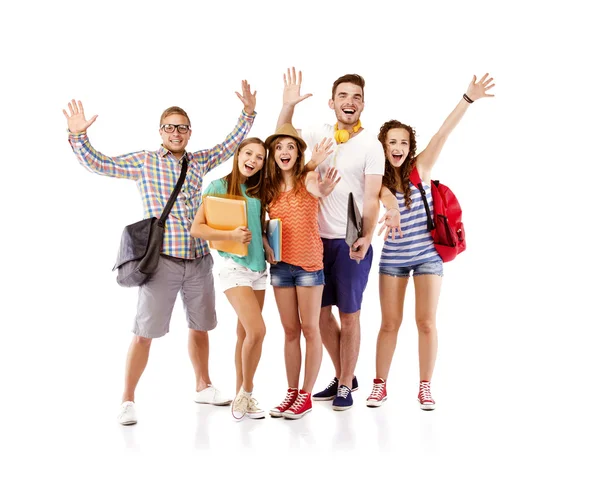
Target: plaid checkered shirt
156, 175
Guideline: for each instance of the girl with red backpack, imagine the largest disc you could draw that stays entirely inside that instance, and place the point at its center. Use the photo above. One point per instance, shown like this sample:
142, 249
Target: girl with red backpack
413, 245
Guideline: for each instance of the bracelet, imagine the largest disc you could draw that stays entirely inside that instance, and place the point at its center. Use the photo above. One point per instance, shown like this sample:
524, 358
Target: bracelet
393, 209
467, 99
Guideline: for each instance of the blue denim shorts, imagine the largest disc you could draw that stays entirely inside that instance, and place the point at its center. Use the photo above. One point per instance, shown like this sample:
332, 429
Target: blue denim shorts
284, 274
431, 267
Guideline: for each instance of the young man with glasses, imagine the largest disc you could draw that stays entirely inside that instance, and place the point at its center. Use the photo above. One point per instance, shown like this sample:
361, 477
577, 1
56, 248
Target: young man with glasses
186, 263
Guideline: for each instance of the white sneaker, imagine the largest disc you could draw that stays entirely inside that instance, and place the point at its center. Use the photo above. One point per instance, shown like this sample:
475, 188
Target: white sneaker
211, 395
253, 411
239, 406
127, 413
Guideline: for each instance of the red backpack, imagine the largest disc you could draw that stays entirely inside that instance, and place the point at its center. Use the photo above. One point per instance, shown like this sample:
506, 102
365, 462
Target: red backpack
446, 223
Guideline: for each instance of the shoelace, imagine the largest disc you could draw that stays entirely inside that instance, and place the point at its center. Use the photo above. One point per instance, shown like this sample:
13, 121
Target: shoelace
253, 405
332, 383
425, 392
299, 402
241, 404
343, 391
377, 391
289, 399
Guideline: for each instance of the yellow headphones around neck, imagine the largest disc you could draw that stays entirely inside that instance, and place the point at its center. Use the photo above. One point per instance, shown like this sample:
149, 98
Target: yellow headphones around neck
342, 136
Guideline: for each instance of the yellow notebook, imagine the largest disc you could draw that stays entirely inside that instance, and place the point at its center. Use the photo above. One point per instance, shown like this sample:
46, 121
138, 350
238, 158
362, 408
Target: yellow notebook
226, 212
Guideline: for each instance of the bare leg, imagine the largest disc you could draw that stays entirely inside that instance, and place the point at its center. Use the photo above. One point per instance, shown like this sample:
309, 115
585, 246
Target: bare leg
248, 307
309, 302
349, 346
392, 291
198, 349
287, 304
239, 376
137, 358
330, 334
427, 294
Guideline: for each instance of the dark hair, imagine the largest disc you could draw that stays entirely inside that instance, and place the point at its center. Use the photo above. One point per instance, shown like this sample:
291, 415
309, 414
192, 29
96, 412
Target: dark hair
349, 78
174, 110
274, 176
398, 178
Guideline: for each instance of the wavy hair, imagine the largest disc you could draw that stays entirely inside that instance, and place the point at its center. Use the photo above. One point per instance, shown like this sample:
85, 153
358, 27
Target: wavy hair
397, 179
274, 176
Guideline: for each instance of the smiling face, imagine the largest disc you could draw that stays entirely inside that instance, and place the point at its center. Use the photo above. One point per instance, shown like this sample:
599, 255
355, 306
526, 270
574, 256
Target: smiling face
175, 142
397, 146
286, 153
251, 159
348, 104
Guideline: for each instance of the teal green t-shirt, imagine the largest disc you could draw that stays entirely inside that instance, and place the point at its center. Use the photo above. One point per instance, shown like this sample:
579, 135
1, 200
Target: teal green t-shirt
255, 259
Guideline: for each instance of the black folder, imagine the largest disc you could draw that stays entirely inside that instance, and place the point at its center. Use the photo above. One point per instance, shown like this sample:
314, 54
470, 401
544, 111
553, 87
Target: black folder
354, 223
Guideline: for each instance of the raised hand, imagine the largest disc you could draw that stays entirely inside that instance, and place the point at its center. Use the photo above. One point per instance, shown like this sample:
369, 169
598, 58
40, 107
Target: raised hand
291, 88
76, 121
247, 97
327, 184
242, 235
480, 89
322, 150
391, 222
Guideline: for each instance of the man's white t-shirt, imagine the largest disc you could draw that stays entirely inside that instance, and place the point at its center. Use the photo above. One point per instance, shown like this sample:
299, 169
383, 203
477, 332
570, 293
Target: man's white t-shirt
361, 155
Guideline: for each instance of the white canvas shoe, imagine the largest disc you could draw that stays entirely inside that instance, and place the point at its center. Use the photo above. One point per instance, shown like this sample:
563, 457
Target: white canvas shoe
211, 395
127, 414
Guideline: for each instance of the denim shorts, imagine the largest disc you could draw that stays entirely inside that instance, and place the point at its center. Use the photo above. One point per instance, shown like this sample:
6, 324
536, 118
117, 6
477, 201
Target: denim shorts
284, 274
429, 268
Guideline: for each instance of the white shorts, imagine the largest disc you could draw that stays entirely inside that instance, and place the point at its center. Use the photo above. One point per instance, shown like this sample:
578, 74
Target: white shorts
233, 274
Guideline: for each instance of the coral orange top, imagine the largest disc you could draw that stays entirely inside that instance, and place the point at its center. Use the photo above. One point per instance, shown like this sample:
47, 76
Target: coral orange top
301, 244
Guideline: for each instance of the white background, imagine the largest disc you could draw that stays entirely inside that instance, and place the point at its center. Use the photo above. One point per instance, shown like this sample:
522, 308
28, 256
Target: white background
516, 381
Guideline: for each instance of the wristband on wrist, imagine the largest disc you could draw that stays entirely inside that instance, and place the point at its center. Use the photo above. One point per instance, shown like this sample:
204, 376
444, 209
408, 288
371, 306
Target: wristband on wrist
467, 99
394, 209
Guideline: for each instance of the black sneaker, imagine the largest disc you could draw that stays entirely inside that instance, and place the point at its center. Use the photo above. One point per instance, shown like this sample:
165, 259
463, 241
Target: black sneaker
328, 393
331, 390
343, 400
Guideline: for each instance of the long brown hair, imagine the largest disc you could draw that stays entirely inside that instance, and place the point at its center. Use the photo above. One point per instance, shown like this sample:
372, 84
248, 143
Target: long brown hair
234, 179
274, 176
398, 178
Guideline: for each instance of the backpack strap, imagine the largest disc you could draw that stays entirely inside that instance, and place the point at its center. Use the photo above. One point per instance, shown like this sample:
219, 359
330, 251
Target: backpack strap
416, 181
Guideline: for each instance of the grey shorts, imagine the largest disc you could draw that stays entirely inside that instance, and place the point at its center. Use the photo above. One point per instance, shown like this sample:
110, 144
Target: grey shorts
194, 279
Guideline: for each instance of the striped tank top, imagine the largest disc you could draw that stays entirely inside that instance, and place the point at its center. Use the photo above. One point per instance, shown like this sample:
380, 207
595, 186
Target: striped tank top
416, 245
301, 244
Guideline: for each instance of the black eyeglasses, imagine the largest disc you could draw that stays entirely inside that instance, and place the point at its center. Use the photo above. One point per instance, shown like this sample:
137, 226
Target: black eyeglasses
171, 128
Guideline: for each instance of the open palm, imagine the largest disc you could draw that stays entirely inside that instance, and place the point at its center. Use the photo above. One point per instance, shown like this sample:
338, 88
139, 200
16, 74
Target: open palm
480, 89
291, 88
76, 121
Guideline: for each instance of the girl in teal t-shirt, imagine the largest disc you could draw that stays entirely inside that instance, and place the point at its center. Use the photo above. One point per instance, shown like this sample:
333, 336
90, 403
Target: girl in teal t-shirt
244, 279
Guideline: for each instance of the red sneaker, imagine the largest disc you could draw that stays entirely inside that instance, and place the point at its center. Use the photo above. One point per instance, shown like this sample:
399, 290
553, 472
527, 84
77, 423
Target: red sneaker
378, 394
425, 400
290, 397
301, 406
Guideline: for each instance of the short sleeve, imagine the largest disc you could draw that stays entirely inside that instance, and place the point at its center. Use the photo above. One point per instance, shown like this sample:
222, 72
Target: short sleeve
215, 187
375, 159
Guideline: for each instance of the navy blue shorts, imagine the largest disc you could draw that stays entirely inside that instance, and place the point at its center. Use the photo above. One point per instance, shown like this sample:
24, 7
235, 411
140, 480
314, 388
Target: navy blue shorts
345, 281
286, 275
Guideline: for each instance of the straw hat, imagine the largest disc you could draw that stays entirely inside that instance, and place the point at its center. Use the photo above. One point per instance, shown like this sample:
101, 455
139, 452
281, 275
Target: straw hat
287, 130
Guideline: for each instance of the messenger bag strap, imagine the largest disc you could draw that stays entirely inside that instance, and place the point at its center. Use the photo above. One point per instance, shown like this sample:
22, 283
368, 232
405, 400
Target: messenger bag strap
175, 193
